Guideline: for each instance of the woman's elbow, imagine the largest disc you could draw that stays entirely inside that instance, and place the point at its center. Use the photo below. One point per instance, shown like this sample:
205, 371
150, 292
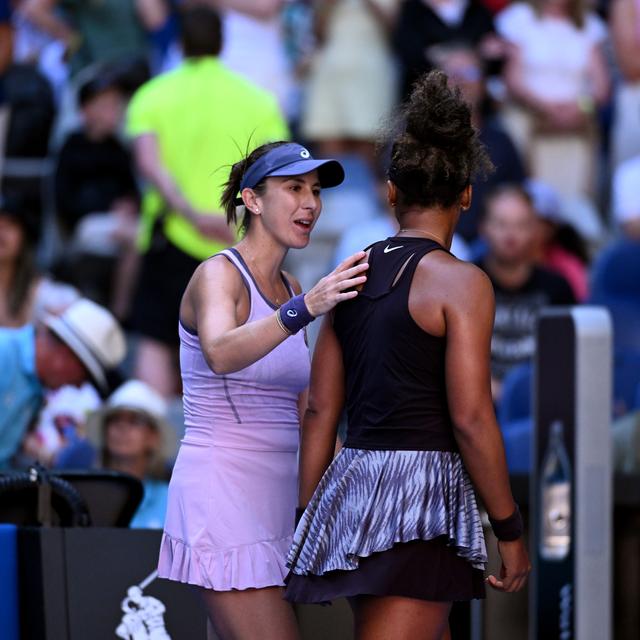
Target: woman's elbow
217, 362
469, 422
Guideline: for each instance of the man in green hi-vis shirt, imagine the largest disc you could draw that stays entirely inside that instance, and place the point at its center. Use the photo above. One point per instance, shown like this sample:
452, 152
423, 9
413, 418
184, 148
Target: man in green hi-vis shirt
189, 126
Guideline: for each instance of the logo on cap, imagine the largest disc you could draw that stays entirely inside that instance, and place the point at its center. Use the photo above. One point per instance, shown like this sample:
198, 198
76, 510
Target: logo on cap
305, 154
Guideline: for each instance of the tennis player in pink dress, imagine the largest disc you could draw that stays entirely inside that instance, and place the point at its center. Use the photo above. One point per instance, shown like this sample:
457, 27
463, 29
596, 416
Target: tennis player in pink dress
245, 369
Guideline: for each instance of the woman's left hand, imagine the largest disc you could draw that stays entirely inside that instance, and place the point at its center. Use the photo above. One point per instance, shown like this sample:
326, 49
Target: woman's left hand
515, 567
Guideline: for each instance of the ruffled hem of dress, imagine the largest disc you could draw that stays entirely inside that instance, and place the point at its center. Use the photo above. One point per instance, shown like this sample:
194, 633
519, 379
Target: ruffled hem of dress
369, 500
250, 566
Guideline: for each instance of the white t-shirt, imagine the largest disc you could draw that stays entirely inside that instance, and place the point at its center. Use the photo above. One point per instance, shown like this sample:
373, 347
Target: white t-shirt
450, 12
555, 53
626, 197
255, 49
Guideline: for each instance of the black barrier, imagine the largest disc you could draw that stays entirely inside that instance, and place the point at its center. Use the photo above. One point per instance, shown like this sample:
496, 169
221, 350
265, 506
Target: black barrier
572, 479
100, 584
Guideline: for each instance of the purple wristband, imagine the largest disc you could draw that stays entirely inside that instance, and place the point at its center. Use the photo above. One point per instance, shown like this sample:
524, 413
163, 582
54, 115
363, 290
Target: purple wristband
510, 528
294, 314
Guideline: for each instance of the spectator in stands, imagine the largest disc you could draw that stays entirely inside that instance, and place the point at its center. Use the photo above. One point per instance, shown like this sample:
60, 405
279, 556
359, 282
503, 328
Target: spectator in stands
465, 68
352, 87
423, 24
58, 436
522, 288
36, 47
6, 38
253, 44
25, 294
132, 436
82, 343
254, 47
626, 198
97, 196
6, 58
625, 35
557, 78
559, 246
94, 32
188, 127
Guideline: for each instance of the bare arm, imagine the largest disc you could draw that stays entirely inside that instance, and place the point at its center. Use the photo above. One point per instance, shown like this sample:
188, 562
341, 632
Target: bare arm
469, 323
41, 13
386, 17
228, 346
149, 163
626, 41
215, 297
514, 79
6, 47
322, 15
326, 399
599, 80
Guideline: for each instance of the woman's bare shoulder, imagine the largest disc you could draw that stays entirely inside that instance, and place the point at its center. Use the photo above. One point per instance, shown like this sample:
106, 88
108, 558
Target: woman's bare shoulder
214, 278
463, 281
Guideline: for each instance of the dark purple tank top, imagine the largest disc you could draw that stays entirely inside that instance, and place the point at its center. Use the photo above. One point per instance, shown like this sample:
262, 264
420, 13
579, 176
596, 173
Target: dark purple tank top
396, 394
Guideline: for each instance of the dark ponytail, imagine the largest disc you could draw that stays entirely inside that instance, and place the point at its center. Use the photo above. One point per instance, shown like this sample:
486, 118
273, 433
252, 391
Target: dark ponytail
230, 199
435, 151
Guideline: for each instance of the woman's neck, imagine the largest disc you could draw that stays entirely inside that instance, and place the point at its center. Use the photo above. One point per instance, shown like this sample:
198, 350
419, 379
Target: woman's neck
263, 254
434, 223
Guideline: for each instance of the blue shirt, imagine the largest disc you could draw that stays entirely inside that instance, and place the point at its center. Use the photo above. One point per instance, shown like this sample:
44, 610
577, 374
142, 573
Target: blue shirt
21, 393
150, 514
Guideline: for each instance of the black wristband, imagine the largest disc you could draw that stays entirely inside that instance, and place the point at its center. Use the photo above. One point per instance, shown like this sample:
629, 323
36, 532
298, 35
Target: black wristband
299, 513
510, 528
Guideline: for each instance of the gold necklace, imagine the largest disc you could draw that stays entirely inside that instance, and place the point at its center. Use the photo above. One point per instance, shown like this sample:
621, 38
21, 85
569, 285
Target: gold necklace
422, 233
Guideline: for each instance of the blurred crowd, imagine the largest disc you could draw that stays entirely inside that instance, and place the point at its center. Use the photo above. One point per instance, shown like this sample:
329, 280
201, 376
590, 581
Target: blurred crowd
120, 120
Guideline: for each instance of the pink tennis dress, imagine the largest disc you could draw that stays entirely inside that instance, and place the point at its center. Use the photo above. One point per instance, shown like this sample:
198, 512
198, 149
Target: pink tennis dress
233, 491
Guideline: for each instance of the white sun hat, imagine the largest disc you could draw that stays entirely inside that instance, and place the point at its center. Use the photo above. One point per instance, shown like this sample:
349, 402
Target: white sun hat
93, 334
138, 396
135, 395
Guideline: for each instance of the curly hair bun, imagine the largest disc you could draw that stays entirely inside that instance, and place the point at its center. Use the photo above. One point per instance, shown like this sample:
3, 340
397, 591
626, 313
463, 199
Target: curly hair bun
437, 153
436, 114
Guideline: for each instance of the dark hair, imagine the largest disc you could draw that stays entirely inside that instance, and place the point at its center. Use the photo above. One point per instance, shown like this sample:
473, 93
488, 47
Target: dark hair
229, 198
200, 32
569, 239
14, 206
437, 153
506, 189
97, 84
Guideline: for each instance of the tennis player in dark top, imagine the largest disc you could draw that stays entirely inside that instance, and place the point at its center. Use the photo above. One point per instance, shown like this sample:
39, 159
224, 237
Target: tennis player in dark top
392, 523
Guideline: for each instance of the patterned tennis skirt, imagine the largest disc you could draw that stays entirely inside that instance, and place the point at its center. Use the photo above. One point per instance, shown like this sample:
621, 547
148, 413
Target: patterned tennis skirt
387, 522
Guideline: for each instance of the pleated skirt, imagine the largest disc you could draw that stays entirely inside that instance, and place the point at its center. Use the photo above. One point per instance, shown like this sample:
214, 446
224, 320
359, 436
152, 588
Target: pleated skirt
389, 523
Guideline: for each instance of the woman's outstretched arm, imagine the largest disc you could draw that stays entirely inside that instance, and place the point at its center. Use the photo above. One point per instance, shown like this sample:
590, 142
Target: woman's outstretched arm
469, 313
212, 299
326, 399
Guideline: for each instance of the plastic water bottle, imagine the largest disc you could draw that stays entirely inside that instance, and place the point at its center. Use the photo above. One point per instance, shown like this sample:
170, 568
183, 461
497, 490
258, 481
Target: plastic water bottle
555, 498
